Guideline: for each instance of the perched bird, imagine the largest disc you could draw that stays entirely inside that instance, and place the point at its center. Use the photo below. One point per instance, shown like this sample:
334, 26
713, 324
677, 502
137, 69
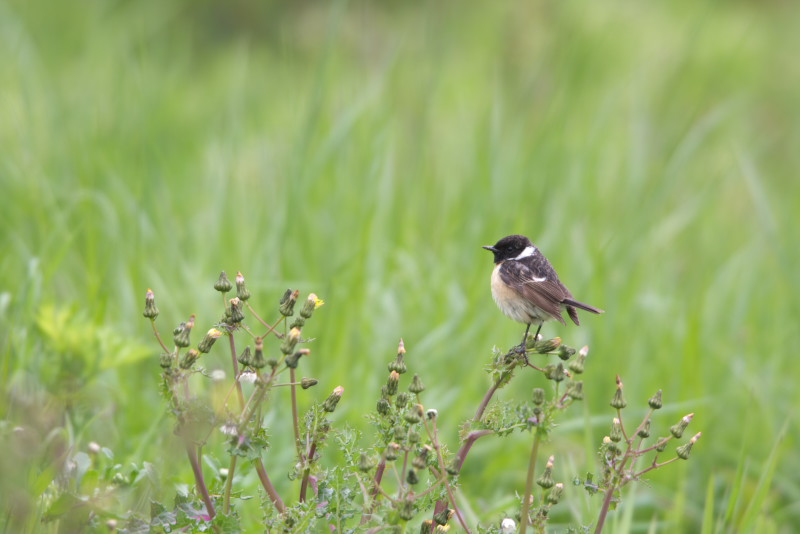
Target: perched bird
526, 287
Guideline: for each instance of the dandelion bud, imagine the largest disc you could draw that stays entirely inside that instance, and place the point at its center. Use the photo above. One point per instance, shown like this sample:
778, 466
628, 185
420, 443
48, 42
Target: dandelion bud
223, 285
402, 400
644, 432
616, 430
538, 396
246, 357
412, 477
416, 386
290, 341
333, 399
575, 390
398, 364
309, 306
166, 360
365, 463
444, 516
189, 358
555, 494
181, 333
407, 511
236, 313
545, 345
655, 401
294, 359
208, 341
558, 374
241, 288
618, 401
678, 428
508, 526
565, 353
150, 309
288, 301
414, 436
391, 384
684, 450
414, 414
306, 383
384, 408
546, 480
577, 365
610, 445
258, 361
392, 451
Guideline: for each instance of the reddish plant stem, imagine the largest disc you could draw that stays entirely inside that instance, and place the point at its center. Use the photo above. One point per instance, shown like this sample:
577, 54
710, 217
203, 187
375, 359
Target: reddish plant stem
268, 487
307, 472
200, 482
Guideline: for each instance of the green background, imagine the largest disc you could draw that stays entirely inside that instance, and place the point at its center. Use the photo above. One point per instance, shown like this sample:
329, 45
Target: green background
365, 151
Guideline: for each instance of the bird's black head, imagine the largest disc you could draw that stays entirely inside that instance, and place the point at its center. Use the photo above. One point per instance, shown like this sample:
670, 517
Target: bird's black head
509, 247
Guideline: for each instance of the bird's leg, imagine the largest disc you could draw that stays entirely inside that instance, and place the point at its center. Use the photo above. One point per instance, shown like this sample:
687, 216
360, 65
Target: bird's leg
521, 347
536, 336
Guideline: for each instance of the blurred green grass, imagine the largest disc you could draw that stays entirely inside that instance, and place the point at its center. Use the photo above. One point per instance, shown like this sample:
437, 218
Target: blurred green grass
365, 151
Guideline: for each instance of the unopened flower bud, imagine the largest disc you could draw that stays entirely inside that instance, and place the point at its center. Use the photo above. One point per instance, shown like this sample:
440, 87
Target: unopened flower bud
150, 309
644, 432
399, 433
618, 401
420, 460
452, 467
236, 313
189, 358
290, 341
538, 396
575, 390
564, 352
406, 510
246, 357
181, 333
208, 341
616, 430
392, 451
412, 477
383, 407
241, 288
166, 360
414, 414
306, 383
546, 480
544, 346
402, 400
333, 399
294, 359
661, 444
577, 365
444, 516
391, 384
655, 401
555, 494
258, 361
309, 306
678, 428
416, 386
223, 285
558, 373
426, 527
288, 301
610, 445
365, 463
685, 450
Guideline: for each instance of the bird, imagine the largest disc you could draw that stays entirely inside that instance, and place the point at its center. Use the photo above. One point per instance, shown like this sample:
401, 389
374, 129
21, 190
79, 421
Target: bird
527, 289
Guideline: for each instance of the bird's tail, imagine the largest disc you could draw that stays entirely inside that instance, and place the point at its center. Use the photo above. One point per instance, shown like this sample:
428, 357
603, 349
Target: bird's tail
571, 304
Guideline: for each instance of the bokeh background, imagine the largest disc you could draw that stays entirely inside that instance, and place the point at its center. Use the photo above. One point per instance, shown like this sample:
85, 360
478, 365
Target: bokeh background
365, 151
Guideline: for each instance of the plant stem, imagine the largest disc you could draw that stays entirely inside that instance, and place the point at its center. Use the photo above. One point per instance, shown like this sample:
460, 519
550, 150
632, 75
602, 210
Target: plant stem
307, 472
229, 485
235, 363
158, 336
295, 418
526, 500
268, 487
200, 482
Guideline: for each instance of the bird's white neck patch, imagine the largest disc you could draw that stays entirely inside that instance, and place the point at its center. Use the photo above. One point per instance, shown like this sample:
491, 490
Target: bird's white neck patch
529, 251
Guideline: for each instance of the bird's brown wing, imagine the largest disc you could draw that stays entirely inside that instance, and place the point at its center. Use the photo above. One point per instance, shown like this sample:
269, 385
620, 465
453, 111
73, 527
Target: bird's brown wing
547, 294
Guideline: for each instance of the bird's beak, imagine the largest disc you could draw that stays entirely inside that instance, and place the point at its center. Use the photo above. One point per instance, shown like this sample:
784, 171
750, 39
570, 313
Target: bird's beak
489, 247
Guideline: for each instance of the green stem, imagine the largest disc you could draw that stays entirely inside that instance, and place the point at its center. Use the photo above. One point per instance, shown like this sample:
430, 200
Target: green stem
295, 417
526, 500
229, 485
